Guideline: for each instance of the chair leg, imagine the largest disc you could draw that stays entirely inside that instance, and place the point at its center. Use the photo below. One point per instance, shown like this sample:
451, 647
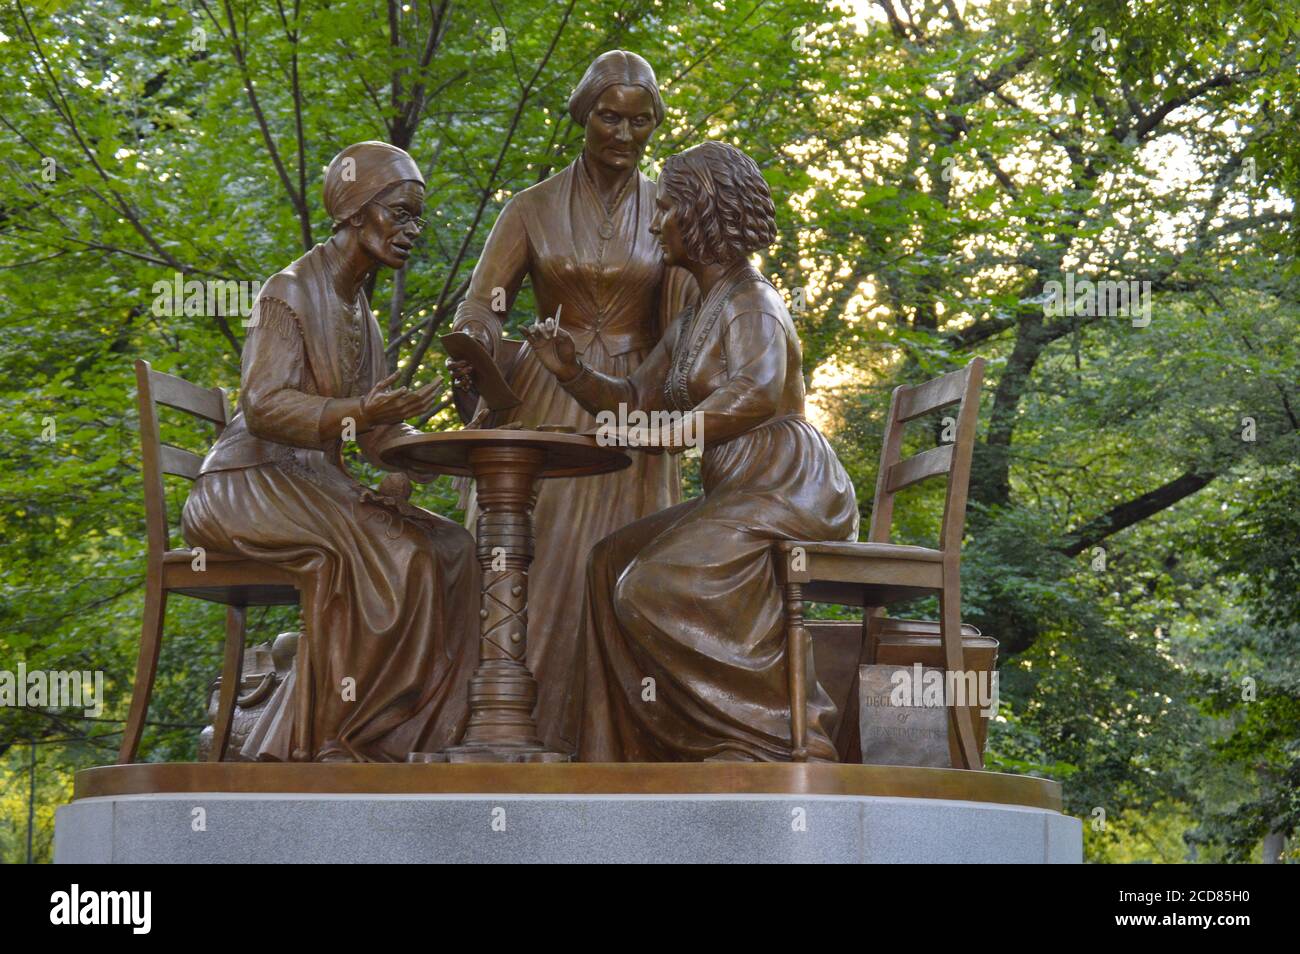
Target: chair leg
796, 663
959, 717
146, 667
848, 741
301, 740
231, 672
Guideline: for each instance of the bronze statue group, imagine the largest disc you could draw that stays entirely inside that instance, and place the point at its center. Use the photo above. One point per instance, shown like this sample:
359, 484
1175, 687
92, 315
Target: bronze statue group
662, 312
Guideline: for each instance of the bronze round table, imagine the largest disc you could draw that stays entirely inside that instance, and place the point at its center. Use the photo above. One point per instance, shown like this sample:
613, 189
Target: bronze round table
506, 465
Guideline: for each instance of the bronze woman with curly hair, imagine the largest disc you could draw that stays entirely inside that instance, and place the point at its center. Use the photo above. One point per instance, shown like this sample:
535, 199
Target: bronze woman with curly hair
688, 596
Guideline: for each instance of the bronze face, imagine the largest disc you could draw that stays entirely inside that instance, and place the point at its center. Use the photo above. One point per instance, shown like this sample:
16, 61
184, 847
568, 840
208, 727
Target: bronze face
619, 126
665, 226
390, 224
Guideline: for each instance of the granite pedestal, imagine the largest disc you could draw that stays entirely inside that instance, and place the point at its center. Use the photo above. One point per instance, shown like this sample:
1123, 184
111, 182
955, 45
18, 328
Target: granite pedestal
111, 824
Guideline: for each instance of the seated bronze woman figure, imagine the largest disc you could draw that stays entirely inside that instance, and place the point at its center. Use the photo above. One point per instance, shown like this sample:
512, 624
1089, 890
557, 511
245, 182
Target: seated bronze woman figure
688, 597
388, 590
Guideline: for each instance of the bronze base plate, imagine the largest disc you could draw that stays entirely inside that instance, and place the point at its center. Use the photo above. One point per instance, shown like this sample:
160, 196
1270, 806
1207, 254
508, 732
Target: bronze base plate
574, 778
464, 754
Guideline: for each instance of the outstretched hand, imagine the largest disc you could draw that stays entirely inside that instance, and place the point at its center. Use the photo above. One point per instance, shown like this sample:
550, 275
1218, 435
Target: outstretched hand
554, 348
382, 406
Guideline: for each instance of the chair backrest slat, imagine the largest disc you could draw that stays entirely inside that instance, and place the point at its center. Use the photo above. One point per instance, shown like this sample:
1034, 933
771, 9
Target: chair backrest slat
908, 403
154, 388
179, 462
919, 467
938, 392
207, 403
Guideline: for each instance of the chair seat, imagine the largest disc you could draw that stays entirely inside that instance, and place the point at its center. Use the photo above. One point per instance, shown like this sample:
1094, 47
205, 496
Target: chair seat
229, 579
852, 593
867, 551
859, 574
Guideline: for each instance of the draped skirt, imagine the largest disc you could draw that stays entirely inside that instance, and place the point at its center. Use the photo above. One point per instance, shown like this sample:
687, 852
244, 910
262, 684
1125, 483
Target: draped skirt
684, 630
389, 602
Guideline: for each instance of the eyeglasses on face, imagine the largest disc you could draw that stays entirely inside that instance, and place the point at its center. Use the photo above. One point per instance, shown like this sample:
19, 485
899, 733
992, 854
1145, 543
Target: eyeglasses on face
402, 217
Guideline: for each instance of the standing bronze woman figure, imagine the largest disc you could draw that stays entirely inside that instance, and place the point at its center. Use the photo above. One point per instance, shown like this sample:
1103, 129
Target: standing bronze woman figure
688, 597
388, 590
582, 239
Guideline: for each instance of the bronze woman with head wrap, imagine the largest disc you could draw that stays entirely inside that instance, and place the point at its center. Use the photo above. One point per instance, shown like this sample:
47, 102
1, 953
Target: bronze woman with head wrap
388, 590
581, 238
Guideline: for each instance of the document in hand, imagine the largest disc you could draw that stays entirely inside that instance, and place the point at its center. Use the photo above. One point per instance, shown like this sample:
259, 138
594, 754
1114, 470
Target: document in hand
489, 381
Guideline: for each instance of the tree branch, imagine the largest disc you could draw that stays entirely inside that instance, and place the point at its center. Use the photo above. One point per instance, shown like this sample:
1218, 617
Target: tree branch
423, 346
298, 201
1135, 511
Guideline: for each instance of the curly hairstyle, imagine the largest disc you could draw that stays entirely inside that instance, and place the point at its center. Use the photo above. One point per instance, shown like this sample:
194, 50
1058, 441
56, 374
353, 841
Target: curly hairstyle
725, 208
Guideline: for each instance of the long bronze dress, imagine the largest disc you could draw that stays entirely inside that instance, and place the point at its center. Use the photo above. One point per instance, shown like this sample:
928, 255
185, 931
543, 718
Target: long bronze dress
606, 277
688, 597
391, 590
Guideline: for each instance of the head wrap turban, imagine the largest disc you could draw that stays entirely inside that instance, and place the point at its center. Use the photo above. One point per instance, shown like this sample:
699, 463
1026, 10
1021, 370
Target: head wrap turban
362, 171
615, 68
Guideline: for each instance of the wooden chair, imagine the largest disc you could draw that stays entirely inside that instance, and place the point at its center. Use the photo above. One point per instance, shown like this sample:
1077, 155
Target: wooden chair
878, 573
232, 580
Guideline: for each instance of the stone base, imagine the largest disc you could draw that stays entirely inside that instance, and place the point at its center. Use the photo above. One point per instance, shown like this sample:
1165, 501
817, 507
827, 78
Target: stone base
152, 814
604, 829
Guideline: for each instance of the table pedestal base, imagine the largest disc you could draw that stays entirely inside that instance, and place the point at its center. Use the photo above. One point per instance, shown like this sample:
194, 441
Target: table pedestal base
506, 466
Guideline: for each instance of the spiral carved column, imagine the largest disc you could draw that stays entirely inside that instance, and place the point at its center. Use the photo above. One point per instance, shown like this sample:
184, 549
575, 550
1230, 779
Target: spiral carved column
502, 691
